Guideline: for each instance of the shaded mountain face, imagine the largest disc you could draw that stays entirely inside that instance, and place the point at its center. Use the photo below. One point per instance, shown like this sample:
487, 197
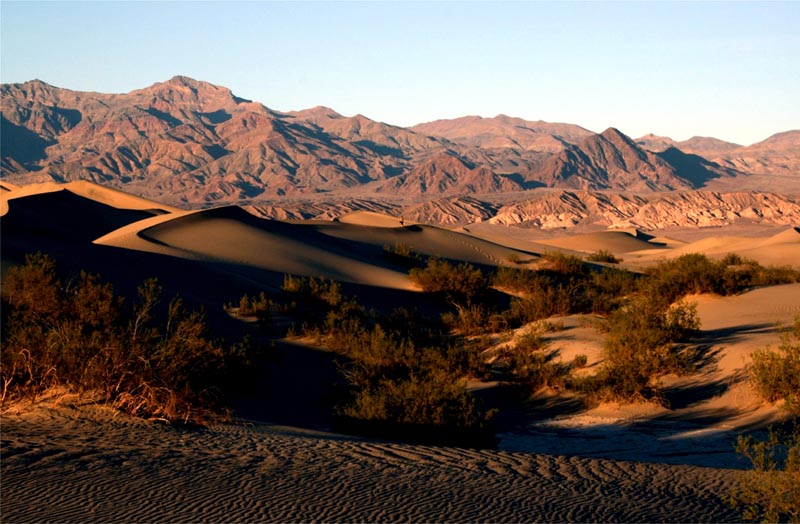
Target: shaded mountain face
195, 144
612, 161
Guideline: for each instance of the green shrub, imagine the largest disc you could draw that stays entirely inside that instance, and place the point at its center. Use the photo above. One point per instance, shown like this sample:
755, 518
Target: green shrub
770, 492
461, 284
603, 255
82, 336
642, 346
776, 373
562, 263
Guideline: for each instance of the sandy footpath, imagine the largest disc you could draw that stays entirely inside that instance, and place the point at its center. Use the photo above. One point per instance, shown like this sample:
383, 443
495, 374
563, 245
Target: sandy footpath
80, 465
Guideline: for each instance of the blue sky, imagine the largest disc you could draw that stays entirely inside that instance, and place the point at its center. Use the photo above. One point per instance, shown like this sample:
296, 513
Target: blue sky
729, 70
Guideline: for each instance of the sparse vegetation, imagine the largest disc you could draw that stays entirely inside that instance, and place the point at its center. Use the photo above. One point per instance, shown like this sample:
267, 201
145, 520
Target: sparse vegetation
642, 345
603, 255
461, 284
78, 334
770, 492
402, 255
775, 373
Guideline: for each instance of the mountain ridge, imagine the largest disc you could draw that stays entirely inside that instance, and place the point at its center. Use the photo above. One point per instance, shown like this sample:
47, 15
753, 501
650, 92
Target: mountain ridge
196, 144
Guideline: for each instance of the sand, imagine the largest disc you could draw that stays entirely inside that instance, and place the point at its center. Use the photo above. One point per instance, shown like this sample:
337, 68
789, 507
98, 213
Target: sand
559, 462
82, 465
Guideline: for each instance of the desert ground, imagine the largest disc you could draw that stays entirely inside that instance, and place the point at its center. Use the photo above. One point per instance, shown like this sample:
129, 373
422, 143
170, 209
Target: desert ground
65, 459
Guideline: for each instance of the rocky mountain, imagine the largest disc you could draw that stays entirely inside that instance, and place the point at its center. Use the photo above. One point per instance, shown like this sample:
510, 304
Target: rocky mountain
448, 174
505, 132
697, 145
613, 161
196, 144
557, 210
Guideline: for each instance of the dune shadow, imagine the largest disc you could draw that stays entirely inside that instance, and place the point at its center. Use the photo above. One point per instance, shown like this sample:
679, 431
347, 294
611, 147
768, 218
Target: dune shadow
730, 334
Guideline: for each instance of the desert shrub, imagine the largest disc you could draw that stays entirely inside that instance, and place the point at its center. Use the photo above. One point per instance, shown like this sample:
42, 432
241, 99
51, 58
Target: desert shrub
688, 274
402, 255
770, 492
430, 400
603, 255
563, 263
579, 361
528, 365
474, 319
642, 345
608, 289
696, 273
259, 306
462, 283
81, 336
538, 304
775, 373
514, 258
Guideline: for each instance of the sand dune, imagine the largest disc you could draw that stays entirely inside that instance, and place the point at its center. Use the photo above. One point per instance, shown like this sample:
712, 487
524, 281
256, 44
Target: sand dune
372, 219
560, 462
84, 466
613, 241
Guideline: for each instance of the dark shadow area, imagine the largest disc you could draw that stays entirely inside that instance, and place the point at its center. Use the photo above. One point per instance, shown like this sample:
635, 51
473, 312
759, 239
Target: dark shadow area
692, 395
380, 149
21, 144
163, 116
693, 168
735, 333
523, 183
66, 216
299, 387
515, 413
216, 151
424, 434
215, 117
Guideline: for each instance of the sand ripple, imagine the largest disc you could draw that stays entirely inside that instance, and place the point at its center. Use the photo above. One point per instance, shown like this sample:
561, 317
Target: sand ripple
79, 466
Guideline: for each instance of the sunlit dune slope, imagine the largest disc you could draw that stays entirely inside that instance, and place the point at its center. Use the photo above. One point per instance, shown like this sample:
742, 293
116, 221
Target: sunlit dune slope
613, 241
233, 236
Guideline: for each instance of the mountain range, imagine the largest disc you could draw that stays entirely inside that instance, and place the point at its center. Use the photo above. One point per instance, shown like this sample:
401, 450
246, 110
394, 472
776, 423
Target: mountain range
195, 144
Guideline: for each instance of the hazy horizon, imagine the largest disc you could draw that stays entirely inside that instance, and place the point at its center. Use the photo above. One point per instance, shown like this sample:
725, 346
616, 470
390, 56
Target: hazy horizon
727, 70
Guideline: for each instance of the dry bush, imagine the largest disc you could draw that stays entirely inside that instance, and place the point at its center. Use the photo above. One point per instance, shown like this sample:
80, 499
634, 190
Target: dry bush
82, 336
461, 284
642, 345
603, 255
563, 263
775, 373
770, 492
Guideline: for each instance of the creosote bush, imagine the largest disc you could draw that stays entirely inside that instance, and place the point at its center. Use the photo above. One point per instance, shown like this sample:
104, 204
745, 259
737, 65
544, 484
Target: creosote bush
775, 373
642, 345
770, 492
80, 335
461, 284
603, 255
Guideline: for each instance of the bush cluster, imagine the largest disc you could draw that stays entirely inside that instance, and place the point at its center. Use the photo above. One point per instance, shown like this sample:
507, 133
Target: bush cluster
770, 492
643, 344
696, 273
775, 373
461, 284
603, 255
78, 334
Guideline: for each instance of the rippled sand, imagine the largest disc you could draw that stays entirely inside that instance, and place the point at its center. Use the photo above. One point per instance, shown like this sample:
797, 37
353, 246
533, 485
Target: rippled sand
81, 465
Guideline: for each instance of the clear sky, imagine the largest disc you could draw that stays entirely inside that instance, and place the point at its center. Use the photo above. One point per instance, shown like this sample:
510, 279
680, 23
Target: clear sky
728, 70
